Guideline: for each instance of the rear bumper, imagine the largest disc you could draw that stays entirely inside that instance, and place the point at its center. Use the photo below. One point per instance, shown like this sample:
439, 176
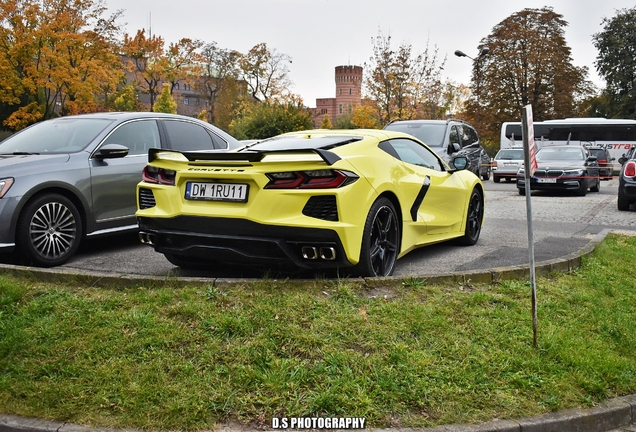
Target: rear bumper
238, 241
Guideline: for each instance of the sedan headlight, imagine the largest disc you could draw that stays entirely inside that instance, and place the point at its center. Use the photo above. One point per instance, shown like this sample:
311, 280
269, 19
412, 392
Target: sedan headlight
5, 185
573, 173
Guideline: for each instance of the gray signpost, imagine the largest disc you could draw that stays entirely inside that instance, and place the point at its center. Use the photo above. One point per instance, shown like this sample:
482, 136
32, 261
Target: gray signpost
530, 165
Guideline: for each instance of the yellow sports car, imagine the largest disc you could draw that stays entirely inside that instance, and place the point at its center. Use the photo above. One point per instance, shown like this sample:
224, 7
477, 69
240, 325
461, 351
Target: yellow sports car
312, 199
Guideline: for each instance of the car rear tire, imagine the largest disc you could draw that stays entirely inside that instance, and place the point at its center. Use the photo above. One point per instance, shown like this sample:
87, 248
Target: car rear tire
49, 230
496, 179
623, 203
522, 192
474, 219
380, 241
486, 176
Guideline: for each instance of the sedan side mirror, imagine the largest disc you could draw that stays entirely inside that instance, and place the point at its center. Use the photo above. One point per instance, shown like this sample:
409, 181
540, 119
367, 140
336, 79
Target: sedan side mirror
111, 151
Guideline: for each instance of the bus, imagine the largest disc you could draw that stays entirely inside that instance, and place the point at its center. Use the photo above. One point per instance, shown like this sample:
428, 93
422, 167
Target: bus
616, 135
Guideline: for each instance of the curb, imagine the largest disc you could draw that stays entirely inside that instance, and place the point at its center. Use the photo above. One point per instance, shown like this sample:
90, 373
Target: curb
488, 276
613, 414
609, 415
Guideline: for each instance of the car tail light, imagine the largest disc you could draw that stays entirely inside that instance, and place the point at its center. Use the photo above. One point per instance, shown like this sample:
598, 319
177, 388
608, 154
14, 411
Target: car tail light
318, 179
153, 174
602, 161
630, 169
494, 164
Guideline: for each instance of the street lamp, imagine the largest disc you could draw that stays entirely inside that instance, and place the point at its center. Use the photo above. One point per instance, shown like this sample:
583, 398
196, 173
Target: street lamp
483, 52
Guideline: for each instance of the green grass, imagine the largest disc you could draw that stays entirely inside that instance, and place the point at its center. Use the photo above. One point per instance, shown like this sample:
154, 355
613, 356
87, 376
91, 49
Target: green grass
406, 354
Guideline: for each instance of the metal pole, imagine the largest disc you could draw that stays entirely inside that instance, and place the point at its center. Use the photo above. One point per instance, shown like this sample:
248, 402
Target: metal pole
529, 163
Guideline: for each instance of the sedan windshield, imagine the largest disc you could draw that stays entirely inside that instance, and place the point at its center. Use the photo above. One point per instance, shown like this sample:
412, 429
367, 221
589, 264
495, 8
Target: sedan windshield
62, 135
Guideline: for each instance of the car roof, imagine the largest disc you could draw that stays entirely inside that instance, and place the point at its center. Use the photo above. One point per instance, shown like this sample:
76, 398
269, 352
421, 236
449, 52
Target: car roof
125, 115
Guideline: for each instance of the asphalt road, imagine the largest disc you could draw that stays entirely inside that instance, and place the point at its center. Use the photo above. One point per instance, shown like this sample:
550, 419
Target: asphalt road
562, 224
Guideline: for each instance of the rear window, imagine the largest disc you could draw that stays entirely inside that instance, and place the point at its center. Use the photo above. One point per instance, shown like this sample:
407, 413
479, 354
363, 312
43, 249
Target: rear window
510, 154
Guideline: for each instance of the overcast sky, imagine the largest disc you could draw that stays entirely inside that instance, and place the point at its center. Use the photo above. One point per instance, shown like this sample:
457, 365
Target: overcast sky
322, 34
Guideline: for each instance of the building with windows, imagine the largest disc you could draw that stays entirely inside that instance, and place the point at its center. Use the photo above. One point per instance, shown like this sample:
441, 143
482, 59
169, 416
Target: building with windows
348, 95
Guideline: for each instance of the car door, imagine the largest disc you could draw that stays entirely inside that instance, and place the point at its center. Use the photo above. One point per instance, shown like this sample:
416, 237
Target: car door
114, 181
435, 197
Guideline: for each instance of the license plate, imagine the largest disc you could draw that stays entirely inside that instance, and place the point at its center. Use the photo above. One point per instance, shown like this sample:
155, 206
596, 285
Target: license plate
546, 180
216, 191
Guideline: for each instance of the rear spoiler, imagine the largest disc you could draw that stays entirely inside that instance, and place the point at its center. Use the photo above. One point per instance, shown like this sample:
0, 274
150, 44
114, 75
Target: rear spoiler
245, 156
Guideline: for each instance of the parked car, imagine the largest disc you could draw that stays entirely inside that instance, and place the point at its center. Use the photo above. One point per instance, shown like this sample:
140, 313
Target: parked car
604, 160
506, 164
563, 168
627, 156
311, 199
73, 177
448, 138
627, 184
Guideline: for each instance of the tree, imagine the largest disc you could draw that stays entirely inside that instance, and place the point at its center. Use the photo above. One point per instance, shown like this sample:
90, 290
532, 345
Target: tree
126, 99
266, 73
616, 62
401, 85
165, 103
268, 119
326, 123
56, 57
182, 62
363, 117
529, 63
146, 59
219, 83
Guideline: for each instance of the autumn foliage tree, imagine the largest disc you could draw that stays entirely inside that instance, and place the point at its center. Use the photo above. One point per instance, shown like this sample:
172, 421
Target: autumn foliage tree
56, 57
146, 60
165, 103
529, 63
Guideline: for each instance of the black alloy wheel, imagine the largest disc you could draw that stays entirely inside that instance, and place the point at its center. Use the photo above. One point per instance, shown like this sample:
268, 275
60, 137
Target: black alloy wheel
474, 219
49, 230
380, 240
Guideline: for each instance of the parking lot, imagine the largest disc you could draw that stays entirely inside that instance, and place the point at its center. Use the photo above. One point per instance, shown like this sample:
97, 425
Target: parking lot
562, 225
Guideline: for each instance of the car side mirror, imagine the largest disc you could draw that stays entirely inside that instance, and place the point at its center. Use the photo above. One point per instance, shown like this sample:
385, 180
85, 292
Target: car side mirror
622, 160
460, 163
454, 148
592, 159
111, 151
